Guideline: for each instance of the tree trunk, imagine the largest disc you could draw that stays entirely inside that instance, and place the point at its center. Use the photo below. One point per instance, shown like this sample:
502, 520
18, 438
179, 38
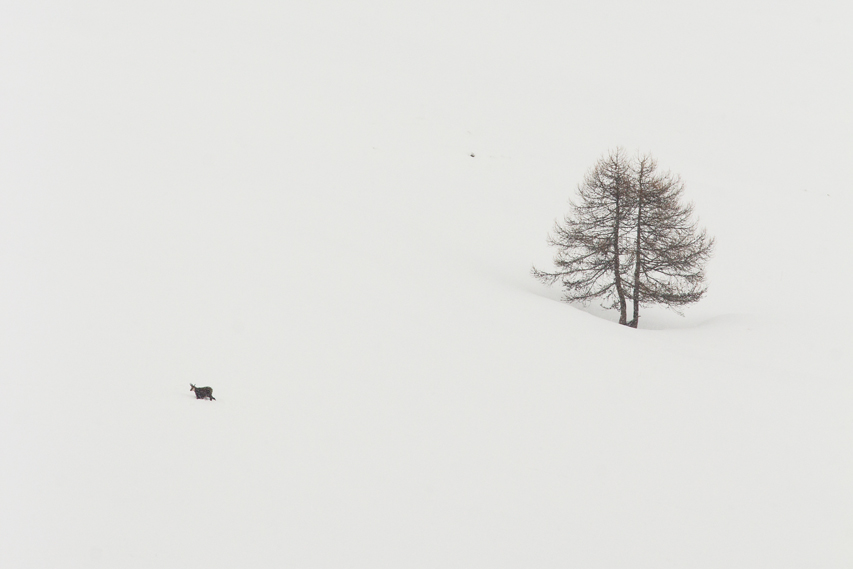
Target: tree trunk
636, 298
623, 307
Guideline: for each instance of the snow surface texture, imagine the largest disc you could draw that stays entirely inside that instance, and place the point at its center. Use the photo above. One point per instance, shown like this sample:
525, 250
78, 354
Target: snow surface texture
278, 199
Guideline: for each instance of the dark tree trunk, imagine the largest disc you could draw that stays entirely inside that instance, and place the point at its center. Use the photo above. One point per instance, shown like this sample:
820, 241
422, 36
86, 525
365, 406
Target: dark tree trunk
637, 263
620, 291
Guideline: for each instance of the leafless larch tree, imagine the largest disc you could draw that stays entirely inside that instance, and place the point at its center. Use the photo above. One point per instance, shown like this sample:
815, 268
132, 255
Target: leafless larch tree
629, 236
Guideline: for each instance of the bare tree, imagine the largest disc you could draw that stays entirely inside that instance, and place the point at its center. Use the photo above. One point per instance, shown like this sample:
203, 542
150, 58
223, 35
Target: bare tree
669, 250
591, 242
629, 235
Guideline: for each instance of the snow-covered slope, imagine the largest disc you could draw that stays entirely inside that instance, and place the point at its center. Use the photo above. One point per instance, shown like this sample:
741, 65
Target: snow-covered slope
281, 202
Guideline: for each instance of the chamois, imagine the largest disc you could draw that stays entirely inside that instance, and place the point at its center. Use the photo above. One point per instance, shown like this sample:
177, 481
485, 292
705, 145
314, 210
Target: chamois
203, 392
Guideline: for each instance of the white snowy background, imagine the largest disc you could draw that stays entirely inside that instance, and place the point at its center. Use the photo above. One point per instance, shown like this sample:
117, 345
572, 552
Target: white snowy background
278, 199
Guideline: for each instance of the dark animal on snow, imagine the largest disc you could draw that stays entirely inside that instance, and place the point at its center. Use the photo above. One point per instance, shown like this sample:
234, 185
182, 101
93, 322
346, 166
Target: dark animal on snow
203, 392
